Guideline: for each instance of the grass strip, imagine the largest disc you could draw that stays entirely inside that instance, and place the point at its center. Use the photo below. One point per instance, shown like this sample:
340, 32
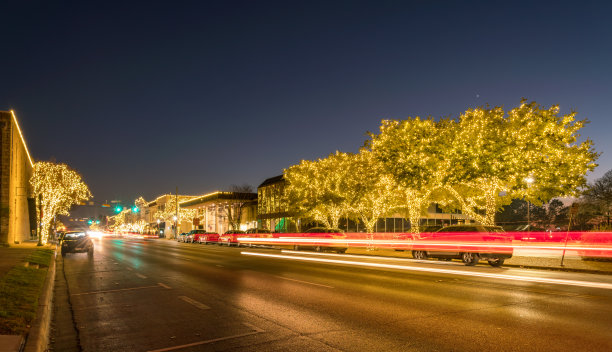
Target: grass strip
19, 292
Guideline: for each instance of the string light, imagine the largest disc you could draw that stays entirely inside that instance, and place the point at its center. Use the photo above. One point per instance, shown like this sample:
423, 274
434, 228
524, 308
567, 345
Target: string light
58, 188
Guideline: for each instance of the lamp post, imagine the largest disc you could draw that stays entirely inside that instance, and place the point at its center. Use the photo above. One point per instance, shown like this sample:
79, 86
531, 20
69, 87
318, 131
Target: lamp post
529, 180
175, 227
158, 231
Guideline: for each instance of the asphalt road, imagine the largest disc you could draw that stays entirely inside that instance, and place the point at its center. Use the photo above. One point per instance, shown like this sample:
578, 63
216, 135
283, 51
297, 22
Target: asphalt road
159, 295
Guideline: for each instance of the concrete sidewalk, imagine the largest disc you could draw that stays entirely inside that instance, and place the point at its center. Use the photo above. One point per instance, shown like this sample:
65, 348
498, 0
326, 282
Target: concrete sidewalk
549, 262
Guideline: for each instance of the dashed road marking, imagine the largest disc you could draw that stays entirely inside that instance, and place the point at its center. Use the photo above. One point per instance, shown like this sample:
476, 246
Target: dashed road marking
194, 302
109, 291
303, 282
164, 286
141, 276
256, 331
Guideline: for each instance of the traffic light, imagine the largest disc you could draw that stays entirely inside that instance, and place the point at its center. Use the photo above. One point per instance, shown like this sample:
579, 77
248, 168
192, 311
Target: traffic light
89, 222
135, 209
118, 209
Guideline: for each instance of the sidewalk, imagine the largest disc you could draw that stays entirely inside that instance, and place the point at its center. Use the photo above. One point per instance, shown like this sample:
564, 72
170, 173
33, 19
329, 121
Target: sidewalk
549, 262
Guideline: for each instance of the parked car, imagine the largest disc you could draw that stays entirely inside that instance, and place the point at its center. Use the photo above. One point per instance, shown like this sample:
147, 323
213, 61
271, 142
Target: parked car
230, 238
470, 243
325, 235
202, 236
255, 230
182, 237
257, 233
76, 242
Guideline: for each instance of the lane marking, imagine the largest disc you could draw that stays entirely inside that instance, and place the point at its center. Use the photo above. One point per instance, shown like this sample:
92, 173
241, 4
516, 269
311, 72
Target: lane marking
164, 286
410, 260
117, 290
256, 331
194, 302
130, 269
220, 266
304, 282
141, 276
442, 271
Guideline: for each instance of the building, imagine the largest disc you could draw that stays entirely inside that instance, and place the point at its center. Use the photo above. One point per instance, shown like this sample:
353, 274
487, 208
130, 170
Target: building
17, 207
272, 209
215, 212
273, 213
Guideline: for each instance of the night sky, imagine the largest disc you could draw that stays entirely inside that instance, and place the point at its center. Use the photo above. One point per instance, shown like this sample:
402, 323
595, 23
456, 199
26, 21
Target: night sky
143, 97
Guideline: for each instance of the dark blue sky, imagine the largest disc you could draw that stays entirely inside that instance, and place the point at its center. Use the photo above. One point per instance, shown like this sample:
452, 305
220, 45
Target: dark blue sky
143, 97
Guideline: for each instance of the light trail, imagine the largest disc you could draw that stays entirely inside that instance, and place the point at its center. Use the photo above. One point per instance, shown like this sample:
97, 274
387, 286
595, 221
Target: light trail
542, 280
422, 245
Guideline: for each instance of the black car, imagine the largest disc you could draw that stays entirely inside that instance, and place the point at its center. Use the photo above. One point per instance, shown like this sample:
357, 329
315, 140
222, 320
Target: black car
77, 242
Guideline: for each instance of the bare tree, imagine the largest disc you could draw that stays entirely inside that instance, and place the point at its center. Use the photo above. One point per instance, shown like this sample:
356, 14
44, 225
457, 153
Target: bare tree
240, 197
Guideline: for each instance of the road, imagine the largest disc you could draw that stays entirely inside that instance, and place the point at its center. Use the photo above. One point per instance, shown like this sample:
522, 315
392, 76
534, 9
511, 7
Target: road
159, 295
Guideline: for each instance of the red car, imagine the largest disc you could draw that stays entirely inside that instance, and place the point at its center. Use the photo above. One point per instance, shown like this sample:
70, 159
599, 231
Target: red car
201, 236
470, 243
322, 239
230, 238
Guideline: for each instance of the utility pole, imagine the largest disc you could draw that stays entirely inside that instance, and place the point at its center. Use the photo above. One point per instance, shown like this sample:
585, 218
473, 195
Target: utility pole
176, 216
40, 207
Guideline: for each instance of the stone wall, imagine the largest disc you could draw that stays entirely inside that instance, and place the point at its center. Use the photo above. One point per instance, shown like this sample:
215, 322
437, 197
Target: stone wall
15, 173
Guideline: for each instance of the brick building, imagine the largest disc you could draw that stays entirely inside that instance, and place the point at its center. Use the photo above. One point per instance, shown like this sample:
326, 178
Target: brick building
17, 208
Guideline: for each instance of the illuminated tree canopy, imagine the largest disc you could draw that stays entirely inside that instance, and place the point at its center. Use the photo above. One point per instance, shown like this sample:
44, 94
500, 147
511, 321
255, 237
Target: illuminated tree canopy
372, 192
476, 163
318, 190
413, 151
58, 188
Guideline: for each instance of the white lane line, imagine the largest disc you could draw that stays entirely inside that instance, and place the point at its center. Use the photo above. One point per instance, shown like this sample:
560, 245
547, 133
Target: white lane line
194, 302
541, 280
220, 266
141, 276
108, 291
164, 286
130, 269
257, 331
303, 282
402, 259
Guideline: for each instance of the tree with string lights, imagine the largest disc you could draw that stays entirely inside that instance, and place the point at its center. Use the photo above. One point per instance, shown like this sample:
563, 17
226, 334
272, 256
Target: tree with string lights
371, 192
413, 152
57, 188
529, 153
317, 189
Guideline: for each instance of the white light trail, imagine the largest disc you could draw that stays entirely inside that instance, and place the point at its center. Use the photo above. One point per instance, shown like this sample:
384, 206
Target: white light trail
440, 271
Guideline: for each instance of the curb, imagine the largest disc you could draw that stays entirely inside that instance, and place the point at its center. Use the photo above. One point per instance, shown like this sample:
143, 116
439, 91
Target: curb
523, 266
37, 338
574, 270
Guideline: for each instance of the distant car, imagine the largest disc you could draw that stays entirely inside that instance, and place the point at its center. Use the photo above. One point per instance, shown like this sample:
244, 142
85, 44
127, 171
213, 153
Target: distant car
470, 243
202, 236
255, 230
326, 235
76, 242
182, 237
230, 238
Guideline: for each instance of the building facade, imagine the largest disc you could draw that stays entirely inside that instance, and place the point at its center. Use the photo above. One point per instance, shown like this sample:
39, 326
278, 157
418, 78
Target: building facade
17, 207
216, 211
273, 214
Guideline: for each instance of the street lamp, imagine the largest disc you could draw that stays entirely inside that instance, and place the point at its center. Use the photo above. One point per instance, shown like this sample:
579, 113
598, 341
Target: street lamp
529, 180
